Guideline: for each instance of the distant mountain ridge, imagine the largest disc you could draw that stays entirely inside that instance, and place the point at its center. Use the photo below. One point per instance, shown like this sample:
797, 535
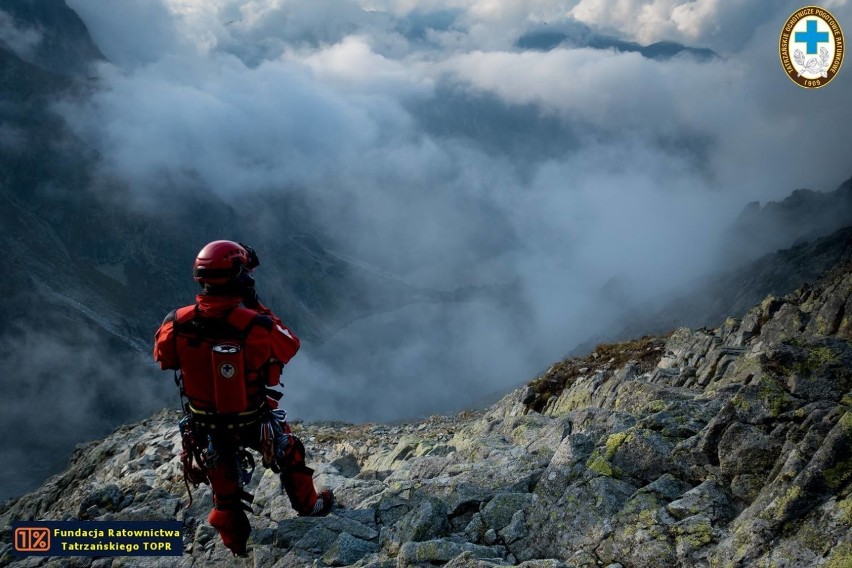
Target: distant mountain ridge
803, 215
547, 39
811, 231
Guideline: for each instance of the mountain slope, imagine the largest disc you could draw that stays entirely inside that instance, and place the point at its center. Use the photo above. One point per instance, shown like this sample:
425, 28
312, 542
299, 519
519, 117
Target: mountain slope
804, 215
711, 299
725, 447
61, 44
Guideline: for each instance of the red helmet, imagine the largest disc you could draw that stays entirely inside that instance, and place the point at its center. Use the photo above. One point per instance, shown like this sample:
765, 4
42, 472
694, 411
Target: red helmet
220, 262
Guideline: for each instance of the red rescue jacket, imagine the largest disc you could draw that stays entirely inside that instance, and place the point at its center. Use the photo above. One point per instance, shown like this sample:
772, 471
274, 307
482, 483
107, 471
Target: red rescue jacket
188, 335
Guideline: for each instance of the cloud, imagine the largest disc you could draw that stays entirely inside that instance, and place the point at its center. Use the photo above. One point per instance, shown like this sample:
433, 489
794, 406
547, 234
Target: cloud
725, 26
140, 32
220, 124
352, 65
61, 389
23, 40
566, 188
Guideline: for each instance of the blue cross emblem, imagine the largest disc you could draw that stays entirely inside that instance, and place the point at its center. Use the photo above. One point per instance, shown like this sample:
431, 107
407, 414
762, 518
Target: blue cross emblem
811, 37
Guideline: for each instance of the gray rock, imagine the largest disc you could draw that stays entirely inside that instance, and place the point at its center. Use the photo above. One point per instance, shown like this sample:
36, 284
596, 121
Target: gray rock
340, 524
391, 509
706, 499
567, 464
440, 551
469, 560
475, 529
316, 541
643, 455
425, 522
667, 487
348, 549
107, 498
640, 533
204, 533
746, 449
462, 494
263, 556
366, 517
516, 529
347, 465
746, 487
693, 533
498, 512
292, 530
580, 519
380, 563
265, 536
581, 559
296, 559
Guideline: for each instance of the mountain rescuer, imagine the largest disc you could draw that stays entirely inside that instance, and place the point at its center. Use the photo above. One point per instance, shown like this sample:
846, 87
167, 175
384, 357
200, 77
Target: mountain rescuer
228, 351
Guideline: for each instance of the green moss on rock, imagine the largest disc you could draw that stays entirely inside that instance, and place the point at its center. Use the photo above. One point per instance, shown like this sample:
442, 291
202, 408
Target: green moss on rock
840, 473
740, 403
599, 464
845, 507
699, 534
840, 557
775, 397
613, 442
818, 357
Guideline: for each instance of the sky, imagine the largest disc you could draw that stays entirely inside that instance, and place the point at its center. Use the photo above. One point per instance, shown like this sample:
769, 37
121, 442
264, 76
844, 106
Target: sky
572, 185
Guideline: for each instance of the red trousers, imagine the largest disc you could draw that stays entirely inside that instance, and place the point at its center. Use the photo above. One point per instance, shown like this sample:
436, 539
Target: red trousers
228, 516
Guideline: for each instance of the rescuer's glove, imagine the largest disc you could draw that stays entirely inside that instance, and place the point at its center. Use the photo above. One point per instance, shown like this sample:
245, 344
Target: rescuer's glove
253, 261
247, 291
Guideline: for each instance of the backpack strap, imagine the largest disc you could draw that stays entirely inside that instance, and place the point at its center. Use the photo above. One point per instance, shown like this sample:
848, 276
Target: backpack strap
181, 315
184, 314
242, 318
177, 317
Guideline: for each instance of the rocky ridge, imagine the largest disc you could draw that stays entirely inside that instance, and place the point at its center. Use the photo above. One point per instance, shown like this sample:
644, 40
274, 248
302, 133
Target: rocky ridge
709, 447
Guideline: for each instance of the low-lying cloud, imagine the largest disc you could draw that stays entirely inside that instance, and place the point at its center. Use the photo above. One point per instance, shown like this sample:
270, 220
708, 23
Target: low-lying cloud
23, 40
62, 389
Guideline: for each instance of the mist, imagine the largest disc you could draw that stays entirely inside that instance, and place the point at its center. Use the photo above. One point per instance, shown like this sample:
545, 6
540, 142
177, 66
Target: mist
566, 188
65, 387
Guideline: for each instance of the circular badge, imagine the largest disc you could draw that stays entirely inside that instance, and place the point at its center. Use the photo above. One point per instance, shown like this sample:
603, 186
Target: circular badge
227, 370
811, 47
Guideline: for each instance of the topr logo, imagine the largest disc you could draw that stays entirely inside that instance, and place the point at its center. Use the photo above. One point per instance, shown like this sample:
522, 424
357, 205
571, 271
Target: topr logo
811, 47
227, 370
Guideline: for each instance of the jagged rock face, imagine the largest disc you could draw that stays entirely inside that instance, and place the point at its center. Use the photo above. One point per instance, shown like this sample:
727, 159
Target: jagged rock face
803, 215
725, 447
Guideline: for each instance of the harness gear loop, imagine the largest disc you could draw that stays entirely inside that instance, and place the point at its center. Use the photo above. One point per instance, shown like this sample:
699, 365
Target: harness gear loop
192, 473
267, 446
245, 468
